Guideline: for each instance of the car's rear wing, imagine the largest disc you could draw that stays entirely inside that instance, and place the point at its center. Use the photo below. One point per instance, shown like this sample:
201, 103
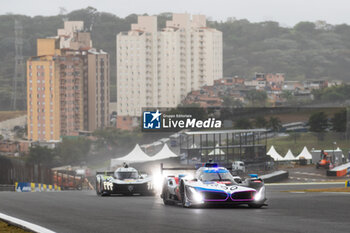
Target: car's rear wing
106, 173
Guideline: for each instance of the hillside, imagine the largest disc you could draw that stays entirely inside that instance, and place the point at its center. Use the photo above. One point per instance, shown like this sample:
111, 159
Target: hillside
306, 51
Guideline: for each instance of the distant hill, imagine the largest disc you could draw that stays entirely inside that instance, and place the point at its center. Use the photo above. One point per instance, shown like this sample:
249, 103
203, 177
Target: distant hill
306, 51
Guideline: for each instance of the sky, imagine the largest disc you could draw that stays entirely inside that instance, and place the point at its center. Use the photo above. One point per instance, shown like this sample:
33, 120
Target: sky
286, 12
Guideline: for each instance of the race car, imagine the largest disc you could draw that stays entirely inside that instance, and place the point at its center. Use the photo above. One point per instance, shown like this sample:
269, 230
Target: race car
125, 180
213, 185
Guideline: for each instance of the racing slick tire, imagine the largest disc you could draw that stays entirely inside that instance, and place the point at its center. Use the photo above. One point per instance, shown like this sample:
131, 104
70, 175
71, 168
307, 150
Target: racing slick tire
255, 206
98, 188
183, 195
165, 194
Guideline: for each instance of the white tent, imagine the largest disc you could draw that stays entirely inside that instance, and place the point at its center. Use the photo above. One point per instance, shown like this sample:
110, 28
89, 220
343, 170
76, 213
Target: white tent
164, 153
135, 156
193, 146
217, 151
304, 154
164, 140
273, 154
289, 156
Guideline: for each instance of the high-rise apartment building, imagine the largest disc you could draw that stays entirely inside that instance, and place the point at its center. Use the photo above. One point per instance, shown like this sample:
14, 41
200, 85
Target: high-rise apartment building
68, 84
158, 68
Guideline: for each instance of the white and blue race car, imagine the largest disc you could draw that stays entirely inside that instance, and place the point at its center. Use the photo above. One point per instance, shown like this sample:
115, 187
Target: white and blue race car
212, 184
125, 180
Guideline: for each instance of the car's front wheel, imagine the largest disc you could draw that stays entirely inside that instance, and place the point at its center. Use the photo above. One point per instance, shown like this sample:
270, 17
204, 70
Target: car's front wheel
183, 195
165, 194
255, 206
98, 187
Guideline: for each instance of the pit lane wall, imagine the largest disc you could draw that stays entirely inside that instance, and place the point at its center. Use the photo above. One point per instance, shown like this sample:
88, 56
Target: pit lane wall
35, 187
341, 170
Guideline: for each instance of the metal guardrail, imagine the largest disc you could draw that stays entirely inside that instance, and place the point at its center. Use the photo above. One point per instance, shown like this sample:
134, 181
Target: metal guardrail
7, 187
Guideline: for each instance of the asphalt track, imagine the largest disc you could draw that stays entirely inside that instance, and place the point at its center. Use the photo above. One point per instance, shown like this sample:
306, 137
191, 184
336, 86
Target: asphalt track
83, 211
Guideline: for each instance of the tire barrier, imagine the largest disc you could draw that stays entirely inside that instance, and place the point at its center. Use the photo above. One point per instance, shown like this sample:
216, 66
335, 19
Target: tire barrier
341, 170
275, 176
35, 187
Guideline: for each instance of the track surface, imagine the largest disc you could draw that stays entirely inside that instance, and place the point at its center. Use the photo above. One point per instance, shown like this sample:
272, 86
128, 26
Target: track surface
83, 211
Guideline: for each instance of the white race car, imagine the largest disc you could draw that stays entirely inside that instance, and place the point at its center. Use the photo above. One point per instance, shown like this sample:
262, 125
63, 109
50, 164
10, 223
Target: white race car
125, 180
213, 185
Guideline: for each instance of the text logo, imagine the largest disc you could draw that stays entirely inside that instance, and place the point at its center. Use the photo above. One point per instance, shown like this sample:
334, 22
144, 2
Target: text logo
151, 120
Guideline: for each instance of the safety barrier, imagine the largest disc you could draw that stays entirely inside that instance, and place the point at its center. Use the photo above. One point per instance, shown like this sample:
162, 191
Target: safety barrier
7, 187
35, 187
347, 184
275, 176
341, 170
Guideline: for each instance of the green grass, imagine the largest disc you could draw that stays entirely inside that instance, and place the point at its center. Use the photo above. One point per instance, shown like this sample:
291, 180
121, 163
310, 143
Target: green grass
310, 140
5, 227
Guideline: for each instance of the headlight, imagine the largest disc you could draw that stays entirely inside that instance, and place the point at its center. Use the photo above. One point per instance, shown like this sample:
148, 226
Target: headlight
260, 195
195, 195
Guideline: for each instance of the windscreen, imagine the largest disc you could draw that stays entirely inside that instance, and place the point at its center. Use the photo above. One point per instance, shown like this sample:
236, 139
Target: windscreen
216, 176
127, 175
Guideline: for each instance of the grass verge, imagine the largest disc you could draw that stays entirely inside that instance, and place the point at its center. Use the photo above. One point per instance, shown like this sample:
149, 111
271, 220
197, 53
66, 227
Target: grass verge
5, 227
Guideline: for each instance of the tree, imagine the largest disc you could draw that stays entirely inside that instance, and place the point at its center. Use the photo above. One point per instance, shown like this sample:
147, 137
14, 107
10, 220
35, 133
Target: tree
41, 155
318, 123
257, 98
305, 27
243, 123
339, 121
231, 102
275, 124
260, 122
288, 96
73, 150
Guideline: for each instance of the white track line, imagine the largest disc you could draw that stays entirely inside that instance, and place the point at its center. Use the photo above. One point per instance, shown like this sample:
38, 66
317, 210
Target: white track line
24, 224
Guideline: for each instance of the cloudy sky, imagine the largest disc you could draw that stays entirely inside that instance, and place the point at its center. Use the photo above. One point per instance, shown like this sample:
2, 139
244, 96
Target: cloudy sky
287, 12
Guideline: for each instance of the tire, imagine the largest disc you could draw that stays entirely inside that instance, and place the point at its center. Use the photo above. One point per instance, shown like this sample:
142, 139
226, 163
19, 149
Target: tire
98, 188
255, 206
165, 194
183, 195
